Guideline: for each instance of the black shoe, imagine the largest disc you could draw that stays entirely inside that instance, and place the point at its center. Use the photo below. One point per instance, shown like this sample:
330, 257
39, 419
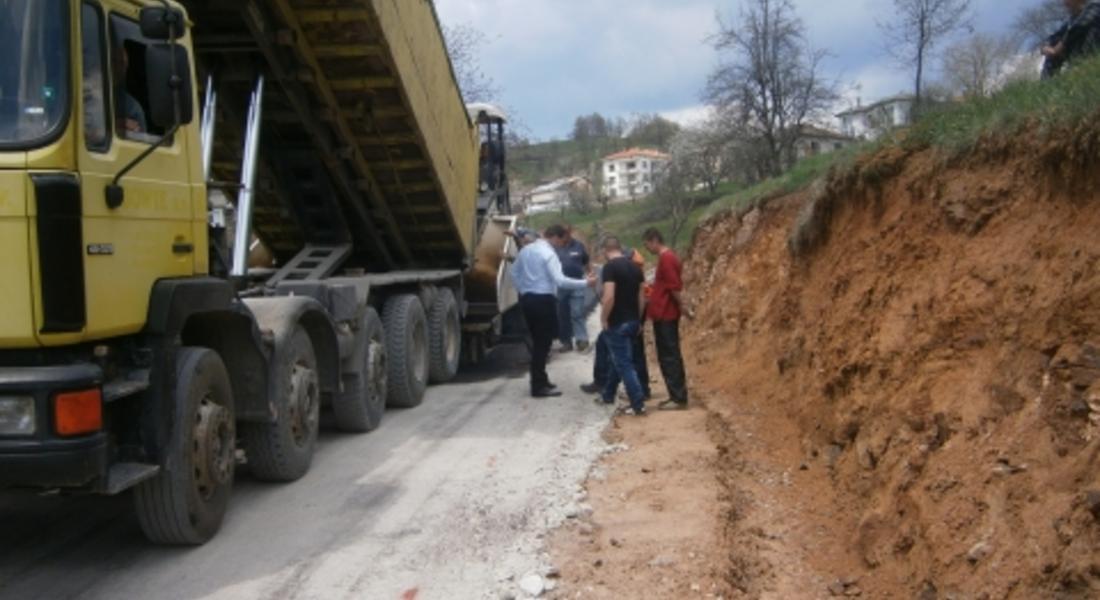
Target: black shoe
582, 346
591, 388
546, 392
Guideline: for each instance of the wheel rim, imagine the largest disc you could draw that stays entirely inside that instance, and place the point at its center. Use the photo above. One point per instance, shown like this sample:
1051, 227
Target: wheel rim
304, 402
213, 448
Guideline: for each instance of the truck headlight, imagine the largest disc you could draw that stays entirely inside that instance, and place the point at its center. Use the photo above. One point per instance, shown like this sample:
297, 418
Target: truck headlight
17, 415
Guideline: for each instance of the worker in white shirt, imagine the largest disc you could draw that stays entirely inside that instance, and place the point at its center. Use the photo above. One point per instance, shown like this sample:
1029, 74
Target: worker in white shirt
538, 276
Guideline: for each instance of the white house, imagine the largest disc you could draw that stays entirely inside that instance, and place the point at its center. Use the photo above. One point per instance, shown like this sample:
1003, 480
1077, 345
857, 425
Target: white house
552, 196
871, 121
633, 173
813, 141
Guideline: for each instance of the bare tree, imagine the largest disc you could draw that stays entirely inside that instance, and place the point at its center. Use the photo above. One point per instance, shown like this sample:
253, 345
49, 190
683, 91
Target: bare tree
769, 82
464, 44
917, 27
581, 197
978, 66
1036, 23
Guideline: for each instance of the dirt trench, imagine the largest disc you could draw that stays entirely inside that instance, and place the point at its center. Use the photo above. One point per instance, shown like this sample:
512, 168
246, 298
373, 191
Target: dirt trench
905, 362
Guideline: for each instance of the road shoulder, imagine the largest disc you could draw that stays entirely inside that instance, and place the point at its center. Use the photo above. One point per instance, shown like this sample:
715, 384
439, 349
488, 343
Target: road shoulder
651, 526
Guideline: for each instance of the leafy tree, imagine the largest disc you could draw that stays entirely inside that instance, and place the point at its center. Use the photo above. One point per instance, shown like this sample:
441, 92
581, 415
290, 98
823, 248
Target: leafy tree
916, 27
652, 130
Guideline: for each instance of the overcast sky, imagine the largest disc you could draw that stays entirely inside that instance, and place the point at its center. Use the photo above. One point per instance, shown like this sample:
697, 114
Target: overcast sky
556, 59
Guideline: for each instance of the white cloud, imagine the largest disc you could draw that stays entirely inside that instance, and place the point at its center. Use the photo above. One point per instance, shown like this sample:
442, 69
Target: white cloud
689, 116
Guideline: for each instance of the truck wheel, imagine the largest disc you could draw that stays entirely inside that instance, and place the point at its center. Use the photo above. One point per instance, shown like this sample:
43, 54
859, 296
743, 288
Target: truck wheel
283, 450
445, 333
360, 406
406, 350
185, 502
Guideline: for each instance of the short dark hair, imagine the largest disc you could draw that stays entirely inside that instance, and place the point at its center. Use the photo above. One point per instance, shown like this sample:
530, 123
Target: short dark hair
612, 243
652, 235
556, 231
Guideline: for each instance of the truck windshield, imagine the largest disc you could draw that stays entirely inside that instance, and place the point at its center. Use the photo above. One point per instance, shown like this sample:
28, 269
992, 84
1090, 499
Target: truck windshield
34, 94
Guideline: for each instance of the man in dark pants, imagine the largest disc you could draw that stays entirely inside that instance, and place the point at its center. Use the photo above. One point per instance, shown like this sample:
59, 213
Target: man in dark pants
602, 365
621, 311
665, 309
538, 276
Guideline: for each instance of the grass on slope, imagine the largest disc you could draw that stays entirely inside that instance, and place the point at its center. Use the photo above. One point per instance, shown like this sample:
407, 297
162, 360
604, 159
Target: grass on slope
1040, 106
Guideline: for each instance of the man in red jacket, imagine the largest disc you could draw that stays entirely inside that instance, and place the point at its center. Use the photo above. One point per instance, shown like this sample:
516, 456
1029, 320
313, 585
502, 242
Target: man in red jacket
666, 306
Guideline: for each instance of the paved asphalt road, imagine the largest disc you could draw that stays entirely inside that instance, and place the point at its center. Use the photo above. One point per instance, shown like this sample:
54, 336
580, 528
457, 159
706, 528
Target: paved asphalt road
449, 500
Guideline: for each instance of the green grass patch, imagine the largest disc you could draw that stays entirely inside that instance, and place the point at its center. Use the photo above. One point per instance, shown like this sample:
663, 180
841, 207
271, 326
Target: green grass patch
800, 176
629, 221
1040, 107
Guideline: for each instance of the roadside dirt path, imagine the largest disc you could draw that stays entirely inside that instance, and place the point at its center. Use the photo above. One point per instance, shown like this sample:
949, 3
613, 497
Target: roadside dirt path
653, 530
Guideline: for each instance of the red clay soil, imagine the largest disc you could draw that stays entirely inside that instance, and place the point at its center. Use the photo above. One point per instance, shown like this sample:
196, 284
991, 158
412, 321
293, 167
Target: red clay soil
910, 400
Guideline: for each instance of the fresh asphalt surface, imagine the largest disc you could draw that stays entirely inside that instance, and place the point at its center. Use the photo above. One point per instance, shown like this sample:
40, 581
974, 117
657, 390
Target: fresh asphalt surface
448, 500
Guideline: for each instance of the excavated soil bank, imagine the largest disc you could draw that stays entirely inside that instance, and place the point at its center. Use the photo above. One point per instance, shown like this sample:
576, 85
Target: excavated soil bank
907, 360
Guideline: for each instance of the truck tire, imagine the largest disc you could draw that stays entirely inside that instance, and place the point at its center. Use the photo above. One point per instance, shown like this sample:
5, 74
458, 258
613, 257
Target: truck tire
359, 408
406, 350
184, 504
445, 336
283, 450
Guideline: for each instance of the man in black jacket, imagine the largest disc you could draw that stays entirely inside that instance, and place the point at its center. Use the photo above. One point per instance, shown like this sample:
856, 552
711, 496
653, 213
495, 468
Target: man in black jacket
1079, 38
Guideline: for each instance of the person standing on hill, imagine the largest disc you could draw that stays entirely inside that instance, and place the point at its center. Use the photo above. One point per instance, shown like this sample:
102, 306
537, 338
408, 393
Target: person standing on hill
571, 303
1079, 38
621, 311
666, 307
538, 276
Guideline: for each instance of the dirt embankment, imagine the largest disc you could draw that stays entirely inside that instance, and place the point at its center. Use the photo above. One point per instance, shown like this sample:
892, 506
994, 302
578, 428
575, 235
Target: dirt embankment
908, 362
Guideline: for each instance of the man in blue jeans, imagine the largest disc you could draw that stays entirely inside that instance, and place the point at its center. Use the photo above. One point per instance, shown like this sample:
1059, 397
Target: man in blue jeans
621, 316
571, 303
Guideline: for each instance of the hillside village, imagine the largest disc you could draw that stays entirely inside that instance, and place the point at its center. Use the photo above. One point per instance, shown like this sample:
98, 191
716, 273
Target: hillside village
575, 181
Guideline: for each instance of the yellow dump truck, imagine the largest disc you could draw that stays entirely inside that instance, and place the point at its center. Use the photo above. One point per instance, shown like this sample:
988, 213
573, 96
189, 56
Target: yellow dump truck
142, 343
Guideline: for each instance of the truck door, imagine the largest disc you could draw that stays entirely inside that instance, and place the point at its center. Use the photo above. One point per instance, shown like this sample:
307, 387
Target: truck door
150, 236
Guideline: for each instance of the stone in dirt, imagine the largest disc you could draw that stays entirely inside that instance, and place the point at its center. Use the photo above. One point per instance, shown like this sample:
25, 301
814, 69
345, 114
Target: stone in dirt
1092, 502
532, 585
662, 561
979, 552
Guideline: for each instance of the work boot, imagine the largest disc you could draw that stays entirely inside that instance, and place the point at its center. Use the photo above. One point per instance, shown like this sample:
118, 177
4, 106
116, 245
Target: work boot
549, 391
582, 346
591, 388
672, 405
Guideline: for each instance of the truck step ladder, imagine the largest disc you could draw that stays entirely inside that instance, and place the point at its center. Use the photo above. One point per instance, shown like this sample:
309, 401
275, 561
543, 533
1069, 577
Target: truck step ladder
313, 263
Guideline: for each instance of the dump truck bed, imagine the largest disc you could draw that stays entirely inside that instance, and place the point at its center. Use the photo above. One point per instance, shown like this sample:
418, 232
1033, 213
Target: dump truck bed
365, 136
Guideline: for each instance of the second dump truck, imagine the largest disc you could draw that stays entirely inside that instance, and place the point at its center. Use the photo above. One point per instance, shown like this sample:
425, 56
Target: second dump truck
327, 231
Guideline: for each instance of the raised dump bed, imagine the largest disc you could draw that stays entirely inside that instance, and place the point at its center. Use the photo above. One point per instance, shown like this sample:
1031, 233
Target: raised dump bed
365, 136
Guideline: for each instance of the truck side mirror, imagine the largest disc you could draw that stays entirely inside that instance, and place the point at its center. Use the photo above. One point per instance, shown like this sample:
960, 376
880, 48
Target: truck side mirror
164, 88
162, 23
